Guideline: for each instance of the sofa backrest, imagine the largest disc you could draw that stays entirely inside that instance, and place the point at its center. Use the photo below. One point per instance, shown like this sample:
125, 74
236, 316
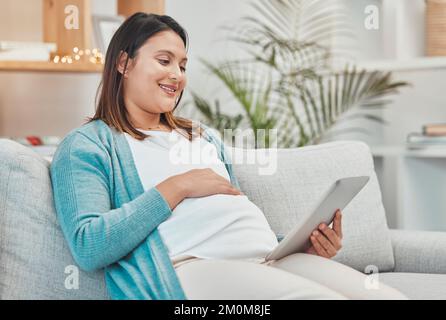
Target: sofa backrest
35, 262
301, 177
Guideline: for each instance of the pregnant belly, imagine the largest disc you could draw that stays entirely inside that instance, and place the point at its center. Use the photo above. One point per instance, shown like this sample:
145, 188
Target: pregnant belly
217, 226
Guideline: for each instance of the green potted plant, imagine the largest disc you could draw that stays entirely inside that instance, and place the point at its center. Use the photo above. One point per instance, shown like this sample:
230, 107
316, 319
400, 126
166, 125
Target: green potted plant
287, 80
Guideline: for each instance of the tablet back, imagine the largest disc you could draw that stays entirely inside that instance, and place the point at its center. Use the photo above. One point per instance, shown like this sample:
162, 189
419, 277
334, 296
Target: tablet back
338, 196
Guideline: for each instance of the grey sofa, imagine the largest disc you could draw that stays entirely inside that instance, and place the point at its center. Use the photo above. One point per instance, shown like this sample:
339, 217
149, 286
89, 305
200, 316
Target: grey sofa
35, 262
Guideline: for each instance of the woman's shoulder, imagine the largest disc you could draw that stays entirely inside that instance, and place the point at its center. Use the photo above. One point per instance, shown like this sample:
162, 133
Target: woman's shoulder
209, 133
92, 137
94, 131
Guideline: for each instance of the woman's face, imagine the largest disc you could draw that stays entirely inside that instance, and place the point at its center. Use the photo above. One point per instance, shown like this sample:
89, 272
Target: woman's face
155, 79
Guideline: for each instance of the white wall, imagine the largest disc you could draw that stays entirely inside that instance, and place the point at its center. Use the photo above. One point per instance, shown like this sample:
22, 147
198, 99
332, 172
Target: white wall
401, 29
404, 19
204, 20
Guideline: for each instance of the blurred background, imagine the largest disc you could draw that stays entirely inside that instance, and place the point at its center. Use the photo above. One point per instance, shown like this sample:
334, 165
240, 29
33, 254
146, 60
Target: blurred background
318, 71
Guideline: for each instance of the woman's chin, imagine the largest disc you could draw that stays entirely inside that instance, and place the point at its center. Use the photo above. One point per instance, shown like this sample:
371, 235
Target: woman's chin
166, 109
166, 105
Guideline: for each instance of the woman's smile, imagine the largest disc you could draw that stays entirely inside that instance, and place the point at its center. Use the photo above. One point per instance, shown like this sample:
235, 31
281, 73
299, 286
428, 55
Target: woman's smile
169, 90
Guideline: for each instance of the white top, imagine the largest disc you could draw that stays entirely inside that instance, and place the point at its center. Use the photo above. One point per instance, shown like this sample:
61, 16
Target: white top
214, 227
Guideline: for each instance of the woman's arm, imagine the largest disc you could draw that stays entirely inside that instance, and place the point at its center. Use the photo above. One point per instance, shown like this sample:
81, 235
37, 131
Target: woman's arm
173, 191
98, 235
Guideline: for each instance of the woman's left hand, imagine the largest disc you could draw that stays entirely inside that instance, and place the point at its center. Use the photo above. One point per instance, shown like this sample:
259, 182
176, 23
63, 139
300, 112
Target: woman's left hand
326, 242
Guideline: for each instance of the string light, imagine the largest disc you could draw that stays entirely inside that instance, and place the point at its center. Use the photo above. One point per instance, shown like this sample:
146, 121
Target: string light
91, 55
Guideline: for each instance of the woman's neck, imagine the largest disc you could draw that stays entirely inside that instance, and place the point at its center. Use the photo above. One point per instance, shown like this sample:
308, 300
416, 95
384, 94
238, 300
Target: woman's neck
142, 119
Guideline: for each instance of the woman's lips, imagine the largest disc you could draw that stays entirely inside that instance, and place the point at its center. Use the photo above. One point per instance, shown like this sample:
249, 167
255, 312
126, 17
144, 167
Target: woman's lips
168, 91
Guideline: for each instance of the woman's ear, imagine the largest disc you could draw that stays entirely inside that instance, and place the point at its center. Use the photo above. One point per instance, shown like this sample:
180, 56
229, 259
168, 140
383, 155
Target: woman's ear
122, 60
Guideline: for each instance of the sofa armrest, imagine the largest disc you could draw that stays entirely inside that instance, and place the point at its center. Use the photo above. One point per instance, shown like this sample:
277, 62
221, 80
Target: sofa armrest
419, 251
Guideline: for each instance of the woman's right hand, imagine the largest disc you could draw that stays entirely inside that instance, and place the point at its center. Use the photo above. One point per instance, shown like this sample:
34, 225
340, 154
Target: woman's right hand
205, 182
193, 184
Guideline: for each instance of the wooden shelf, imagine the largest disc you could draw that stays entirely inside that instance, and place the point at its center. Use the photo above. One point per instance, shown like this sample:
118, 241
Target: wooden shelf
44, 66
55, 30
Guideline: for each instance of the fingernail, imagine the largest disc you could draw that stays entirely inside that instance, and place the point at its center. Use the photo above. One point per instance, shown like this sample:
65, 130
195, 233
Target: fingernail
315, 233
322, 226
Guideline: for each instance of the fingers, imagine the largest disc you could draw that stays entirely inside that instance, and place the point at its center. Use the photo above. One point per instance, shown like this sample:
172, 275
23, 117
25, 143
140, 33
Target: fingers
332, 236
337, 223
223, 185
228, 184
216, 184
230, 189
318, 247
223, 179
326, 245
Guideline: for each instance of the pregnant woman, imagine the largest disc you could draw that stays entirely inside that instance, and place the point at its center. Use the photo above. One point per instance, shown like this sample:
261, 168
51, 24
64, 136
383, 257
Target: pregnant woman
131, 200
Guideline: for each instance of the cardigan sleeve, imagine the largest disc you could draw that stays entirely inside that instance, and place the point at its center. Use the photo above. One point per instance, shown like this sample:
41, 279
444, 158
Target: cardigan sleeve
97, 234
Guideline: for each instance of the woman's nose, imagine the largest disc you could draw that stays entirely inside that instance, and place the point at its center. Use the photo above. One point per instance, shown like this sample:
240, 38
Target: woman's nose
176, 74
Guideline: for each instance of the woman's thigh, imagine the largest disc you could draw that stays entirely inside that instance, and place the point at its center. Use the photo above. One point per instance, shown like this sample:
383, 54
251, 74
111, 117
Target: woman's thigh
336, 276
240, 280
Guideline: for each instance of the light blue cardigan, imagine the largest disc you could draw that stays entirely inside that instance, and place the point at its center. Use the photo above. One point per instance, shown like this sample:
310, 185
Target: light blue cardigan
108, 219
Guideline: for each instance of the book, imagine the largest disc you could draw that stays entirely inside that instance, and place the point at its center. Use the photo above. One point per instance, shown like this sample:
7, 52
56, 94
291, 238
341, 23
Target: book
434, 129
33, 54
26, 51
422, 138
418, 146
417, 140
11, 45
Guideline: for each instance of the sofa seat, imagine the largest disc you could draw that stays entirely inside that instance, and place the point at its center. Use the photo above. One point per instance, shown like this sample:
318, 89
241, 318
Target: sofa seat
418, 286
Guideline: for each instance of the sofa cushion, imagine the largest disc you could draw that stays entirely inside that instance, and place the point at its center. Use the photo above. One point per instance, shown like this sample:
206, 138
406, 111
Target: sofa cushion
301, 176
417, 286
35, 262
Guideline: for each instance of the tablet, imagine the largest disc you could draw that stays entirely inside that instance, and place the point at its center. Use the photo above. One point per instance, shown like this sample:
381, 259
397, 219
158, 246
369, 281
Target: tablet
338, 196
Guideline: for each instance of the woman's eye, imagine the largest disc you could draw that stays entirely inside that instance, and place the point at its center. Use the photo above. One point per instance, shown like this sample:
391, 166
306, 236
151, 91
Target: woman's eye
166, 62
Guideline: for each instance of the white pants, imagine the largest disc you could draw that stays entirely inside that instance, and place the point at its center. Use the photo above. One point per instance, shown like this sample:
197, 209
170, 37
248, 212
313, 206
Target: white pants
298, 276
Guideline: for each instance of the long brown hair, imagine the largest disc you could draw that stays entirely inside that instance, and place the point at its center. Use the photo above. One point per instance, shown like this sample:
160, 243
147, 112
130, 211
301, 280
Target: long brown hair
130, 36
